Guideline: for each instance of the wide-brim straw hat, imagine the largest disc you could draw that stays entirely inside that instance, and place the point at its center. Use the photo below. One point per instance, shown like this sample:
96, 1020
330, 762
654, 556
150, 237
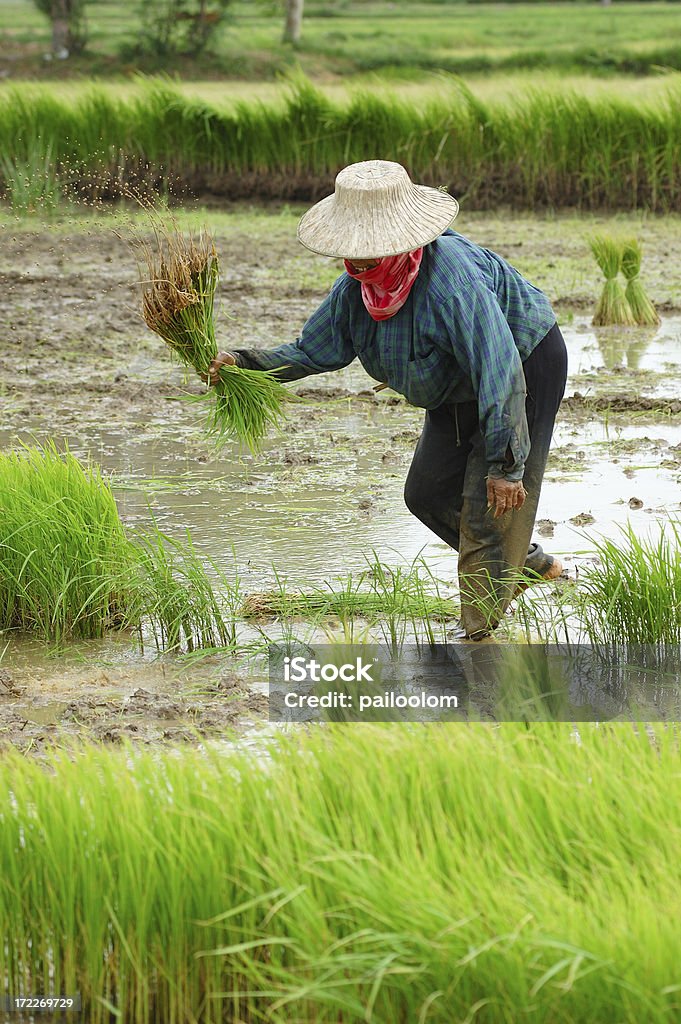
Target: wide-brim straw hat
376, 210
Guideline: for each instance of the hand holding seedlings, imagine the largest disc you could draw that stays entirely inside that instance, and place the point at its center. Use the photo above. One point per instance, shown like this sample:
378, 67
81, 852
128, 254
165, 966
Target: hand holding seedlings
504, 495
221, 359
180, 278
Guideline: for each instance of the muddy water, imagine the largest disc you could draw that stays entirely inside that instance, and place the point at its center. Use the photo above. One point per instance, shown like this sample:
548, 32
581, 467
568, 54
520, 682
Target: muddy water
328, 492
314, 505
607, 470
652, 350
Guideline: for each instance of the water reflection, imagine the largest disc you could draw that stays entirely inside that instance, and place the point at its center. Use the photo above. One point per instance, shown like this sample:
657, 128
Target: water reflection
624, 346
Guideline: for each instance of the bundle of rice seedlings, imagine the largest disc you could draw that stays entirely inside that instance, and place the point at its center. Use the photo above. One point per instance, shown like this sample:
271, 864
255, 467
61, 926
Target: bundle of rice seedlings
178, 304
273, 605
613, 307
633, 595
643, 311
70, 571
65, 560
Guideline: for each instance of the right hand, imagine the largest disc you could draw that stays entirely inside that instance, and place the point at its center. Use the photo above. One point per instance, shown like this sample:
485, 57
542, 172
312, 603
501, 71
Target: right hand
221, 359
504, 495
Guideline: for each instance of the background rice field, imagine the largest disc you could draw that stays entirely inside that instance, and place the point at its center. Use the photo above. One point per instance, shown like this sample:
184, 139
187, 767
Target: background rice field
547, 149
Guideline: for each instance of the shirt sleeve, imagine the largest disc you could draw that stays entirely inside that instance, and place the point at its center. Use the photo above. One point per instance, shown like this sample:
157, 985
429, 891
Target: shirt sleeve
485, 348
324, 345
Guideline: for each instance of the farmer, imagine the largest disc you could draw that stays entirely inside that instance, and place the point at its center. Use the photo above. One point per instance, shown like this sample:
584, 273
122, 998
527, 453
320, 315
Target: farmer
458, 332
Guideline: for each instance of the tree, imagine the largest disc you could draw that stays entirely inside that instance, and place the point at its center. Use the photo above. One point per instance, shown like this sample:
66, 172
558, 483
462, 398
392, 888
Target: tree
173, 27
69, 33
294, 21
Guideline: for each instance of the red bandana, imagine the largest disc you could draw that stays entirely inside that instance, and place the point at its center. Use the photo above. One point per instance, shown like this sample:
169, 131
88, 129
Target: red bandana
385, 287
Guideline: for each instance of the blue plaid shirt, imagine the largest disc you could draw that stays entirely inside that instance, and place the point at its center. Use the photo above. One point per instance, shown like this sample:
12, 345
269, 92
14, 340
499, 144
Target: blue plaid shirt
467, 325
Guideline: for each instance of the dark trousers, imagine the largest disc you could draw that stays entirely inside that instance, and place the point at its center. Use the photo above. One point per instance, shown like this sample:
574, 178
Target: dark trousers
446, 489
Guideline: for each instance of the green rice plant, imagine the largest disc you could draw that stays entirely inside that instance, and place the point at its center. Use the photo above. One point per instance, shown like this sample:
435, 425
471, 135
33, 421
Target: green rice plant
613, 307
547, 618
343, 603
642, 309
69, 570
408, 873
633, 595
176, 600
287, 633
431, 607
178, 305
546, 149
410, 596
31, 180
393, 597
393, 589
64, 555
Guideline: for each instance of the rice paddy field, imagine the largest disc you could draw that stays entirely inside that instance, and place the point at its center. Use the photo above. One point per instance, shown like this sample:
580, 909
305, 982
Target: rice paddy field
169, 855
310, 539
547, 149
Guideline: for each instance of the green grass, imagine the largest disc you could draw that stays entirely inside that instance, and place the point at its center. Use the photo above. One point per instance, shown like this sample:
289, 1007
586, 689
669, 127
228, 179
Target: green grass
351, 37
546, 150
366, 874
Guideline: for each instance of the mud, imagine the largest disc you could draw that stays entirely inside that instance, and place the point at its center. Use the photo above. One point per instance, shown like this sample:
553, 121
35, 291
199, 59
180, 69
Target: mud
143, 717
149, 703
78, 364
629, 404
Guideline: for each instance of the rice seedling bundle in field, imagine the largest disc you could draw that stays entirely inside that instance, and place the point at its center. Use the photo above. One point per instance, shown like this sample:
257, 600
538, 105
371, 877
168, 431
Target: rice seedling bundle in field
642, 309
634, 594
63, 550
69, 570
377, 874
343, 603
182, 599
178, 304
613, 307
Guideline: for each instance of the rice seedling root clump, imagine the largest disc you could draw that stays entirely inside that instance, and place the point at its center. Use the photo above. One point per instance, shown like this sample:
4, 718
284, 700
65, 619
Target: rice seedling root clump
178, 304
